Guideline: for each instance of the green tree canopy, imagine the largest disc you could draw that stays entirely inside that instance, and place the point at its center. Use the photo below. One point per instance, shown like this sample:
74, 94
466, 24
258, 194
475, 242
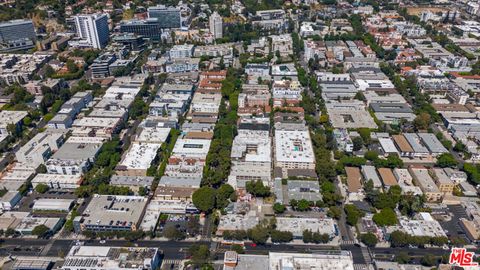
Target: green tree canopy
41, 188
369, 239
40, 230
204, 198
386, 217
446, 160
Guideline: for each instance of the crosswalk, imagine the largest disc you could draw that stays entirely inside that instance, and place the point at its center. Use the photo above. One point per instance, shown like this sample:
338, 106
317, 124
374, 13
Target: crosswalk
169, 262
366, 255
348, 242
360, 267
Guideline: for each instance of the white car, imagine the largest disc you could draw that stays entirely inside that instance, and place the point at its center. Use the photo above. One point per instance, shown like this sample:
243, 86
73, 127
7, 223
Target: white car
102, 241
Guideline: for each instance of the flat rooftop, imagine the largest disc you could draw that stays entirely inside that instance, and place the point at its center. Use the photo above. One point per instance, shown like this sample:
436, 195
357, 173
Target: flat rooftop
297, 225
140, 155
77, 151
343, 118
252, 145
191, 147
11, 117
354, 179
293, 146
110, 210
105, 257
120, 180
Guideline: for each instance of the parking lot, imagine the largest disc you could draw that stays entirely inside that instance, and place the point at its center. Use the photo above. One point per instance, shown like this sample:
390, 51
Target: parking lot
184, 223
452, 227
27, 202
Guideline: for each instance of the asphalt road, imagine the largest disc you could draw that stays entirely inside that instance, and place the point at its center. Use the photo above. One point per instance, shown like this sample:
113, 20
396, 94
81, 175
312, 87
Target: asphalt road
177, 250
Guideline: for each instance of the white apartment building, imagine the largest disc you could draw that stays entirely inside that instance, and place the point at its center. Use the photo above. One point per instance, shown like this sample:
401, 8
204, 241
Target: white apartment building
251, 158
216, 25
92, 31
293, 150
181, 51
39, 149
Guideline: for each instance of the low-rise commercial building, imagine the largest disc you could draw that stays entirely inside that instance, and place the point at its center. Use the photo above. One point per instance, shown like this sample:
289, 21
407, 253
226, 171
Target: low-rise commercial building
134, 183
298, 225
58, 181
327, 260
111, 213
60, 205
111, 258
424, 225
9, 200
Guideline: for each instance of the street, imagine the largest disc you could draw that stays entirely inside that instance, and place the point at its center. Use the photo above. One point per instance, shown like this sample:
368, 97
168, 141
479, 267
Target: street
176, 250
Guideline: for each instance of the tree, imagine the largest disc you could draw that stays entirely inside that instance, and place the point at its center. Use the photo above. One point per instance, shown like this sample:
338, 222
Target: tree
411, 204
173, 233
258, 234
353, 214
303, 205
13, 130
315, 237
402, 258
334, 212
71, 66
40, 231
193, 227
257, 189
365, 133
459, 147
359, 95
399, 239
224, 192
371, 155
392, 161
238, 248
83, 191
357, 143
143, 191
281, 237
428, 260
41, 188
49, 71
199, 254
446, 160
279, 208
9, 232
42, 168
204, 198
386, 217
422, 121
369, 239
27, 121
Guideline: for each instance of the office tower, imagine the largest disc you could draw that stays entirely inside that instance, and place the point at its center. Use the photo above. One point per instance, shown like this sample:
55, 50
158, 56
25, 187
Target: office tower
148, 28
168, 17
216, 25
92, 31
17, 35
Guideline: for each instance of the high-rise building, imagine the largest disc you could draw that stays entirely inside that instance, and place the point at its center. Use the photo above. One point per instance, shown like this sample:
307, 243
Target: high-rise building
216, 25
148, 28
92, 31
17, 35
168, 17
